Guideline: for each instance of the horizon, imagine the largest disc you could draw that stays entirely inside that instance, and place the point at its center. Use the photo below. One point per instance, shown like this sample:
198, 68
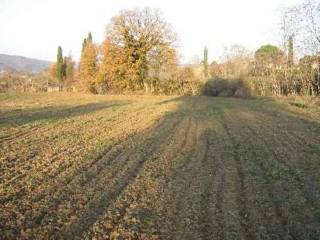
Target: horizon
221, 31
140, 136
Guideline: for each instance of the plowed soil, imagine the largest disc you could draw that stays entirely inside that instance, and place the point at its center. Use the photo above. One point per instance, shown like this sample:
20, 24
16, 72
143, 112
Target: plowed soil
137, 167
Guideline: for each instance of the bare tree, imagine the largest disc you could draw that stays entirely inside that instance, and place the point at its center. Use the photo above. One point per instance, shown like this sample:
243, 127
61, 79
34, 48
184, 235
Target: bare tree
303, 21
236, 61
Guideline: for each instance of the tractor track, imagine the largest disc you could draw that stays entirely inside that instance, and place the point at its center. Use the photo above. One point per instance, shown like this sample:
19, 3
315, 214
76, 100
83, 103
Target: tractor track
159, 168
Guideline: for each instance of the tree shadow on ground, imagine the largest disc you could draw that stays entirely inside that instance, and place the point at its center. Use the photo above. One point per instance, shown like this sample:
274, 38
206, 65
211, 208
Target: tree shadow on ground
104, 178
198, 109
26, 116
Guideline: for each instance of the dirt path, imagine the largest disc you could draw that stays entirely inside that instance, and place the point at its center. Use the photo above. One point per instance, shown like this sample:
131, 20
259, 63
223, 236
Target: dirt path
94, 167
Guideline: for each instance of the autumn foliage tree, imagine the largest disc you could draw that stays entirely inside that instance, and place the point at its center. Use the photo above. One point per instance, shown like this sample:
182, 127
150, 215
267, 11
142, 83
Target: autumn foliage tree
69, 66
88, 65
137, 47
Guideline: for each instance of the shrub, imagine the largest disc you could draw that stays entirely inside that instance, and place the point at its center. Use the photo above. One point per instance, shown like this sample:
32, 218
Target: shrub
226, 88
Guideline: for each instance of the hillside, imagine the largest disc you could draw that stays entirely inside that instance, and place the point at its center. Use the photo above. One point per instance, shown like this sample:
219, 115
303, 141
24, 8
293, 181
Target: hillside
12, 63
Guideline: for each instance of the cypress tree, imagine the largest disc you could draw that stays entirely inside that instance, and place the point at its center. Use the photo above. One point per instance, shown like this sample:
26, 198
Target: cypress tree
86, 41
205, 62
84, 44
89, 39
290, 52
60, 66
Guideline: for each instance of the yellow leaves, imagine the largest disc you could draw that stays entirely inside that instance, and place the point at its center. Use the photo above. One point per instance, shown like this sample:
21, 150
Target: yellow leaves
136, 42
88, 66
53, 70
114, 235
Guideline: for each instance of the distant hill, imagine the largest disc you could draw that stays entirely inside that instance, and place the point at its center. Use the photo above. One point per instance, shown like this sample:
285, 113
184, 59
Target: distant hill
12, 63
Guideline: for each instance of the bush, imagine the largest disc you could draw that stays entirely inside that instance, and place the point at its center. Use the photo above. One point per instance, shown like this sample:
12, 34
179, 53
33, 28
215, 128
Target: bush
226, 88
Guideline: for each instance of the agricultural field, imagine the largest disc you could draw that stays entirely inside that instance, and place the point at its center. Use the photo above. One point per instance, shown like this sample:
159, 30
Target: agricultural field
78, 166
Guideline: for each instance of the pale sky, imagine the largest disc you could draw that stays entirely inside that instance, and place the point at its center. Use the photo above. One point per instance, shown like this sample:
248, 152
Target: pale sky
35, 28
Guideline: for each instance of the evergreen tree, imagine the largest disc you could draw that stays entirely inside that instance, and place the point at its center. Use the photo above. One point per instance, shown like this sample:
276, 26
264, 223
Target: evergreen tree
268, 55
205, 62
86, 41
60, 66
290, 52
84, 44
89, 38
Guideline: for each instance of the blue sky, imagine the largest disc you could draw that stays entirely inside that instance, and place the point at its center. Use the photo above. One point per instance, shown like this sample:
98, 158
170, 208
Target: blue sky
34, 28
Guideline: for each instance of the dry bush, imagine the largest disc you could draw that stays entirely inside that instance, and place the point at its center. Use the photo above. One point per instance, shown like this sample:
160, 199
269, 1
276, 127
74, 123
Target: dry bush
226, 88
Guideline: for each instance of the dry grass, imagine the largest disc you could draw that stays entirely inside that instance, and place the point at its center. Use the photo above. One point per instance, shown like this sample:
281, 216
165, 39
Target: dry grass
136, 167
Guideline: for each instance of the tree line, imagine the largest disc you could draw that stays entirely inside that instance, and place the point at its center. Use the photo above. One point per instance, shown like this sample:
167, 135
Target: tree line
139, 54
290, 69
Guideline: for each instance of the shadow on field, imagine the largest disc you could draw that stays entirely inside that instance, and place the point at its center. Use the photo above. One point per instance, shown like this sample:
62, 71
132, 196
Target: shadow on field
126, 166
131, 162
112, 172
25, 116
236, 196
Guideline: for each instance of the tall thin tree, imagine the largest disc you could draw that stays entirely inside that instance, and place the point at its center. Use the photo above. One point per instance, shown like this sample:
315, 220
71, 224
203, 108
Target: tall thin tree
60, 66
84, 44
205, 62
290, 52
89, 38
88, 65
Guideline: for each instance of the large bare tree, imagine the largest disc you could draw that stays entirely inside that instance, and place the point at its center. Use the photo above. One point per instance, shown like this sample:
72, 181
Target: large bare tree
300, 24
303, 22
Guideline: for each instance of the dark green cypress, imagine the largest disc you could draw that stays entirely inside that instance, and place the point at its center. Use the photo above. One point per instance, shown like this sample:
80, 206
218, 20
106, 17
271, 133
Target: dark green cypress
89, 39
60, 65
